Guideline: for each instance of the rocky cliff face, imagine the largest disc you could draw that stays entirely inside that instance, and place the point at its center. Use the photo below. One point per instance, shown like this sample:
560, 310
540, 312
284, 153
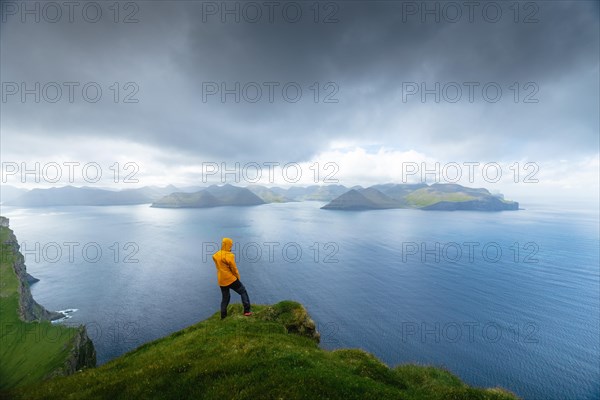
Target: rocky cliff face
294, 318
29, 309
82, 353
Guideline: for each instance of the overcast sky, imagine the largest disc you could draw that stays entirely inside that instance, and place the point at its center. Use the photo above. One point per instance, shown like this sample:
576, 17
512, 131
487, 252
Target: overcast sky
379, 86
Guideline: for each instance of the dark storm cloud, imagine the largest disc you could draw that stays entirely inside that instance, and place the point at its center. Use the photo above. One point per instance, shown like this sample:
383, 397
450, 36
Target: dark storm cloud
372, 49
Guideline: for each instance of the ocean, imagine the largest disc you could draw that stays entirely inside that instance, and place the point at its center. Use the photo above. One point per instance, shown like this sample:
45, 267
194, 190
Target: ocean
506, 299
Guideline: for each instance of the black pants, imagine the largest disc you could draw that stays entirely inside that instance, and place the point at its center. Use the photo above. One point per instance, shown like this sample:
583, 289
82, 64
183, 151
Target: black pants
240, 289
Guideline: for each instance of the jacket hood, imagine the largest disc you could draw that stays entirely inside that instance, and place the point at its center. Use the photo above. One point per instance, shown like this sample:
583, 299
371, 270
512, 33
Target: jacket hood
226, 244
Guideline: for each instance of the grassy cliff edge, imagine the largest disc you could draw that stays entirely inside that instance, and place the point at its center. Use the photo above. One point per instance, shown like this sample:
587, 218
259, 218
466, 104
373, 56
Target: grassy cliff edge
271, 355
32, 349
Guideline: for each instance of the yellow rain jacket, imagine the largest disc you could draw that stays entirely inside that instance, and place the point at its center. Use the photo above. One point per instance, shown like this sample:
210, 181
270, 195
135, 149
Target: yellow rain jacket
224, 259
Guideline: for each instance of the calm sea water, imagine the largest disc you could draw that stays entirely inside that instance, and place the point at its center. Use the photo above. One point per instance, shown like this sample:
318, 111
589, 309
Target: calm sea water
505, 299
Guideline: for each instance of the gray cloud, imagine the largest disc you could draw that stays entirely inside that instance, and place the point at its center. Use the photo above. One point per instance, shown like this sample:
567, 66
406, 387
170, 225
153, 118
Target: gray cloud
367, 54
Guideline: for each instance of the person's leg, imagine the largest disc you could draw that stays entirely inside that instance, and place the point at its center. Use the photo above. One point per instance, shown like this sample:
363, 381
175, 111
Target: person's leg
224, 300
240, 289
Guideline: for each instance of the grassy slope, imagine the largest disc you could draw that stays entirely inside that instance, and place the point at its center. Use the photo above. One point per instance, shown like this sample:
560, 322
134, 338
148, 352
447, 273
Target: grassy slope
255, 357
425, 197
28, 350
270, 197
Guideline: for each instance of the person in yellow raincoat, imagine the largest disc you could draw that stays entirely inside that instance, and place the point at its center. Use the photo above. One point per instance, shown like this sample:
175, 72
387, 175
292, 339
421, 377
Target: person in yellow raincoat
228, 277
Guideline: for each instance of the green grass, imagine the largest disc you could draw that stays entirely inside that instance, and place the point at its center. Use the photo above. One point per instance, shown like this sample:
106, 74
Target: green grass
271, 355
426, 197
29, 351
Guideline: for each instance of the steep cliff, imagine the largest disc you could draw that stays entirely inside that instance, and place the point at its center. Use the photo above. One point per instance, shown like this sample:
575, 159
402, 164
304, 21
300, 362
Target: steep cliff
53, 350
29, 309
81, 355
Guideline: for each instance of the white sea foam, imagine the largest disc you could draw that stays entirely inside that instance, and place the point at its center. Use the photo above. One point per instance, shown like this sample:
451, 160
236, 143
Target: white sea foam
67, 314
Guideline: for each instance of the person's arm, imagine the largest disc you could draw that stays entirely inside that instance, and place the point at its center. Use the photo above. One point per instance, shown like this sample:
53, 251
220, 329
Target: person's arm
233, 267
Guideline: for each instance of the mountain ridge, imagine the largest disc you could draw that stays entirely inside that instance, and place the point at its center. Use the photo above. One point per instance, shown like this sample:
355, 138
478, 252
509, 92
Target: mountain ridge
438, 196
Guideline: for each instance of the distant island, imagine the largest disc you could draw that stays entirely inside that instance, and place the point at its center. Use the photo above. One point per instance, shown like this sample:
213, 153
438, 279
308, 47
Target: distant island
212, 196
444, 197
229, 195
81, 196
168, 196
